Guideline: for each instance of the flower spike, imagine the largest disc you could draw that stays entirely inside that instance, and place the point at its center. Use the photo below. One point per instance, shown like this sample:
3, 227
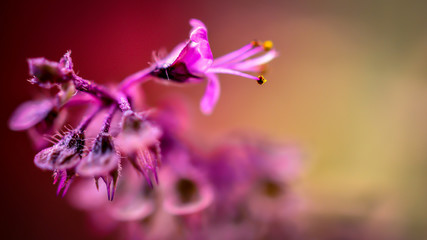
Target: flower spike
139, 135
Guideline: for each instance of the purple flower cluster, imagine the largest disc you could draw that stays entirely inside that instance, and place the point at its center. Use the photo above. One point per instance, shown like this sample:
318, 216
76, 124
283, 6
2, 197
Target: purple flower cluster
242, 189
121, 144
239, 190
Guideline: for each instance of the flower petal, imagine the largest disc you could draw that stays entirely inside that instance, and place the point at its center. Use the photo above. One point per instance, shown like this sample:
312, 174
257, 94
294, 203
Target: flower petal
197, 54
170, 58
195, 23
199, 34
98, 164
211, 96
30, 113
132, 208
186, 191
42, 159
197, 57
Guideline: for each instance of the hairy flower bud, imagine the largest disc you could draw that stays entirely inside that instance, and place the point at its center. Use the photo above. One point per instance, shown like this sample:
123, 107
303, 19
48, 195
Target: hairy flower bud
48, 73
102, 159
63, 155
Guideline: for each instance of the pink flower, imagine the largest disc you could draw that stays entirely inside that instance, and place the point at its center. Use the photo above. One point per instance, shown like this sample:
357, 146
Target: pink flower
192, 62
186, 190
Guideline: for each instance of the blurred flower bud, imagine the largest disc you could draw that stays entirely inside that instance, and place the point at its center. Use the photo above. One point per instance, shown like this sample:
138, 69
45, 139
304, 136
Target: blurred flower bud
48, 73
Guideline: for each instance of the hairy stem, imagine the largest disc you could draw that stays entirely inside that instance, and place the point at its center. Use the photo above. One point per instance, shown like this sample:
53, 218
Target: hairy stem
107, 122
123, 102
137, 77
89, 87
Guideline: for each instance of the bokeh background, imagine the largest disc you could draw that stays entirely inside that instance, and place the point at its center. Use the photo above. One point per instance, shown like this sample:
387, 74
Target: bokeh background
349, 88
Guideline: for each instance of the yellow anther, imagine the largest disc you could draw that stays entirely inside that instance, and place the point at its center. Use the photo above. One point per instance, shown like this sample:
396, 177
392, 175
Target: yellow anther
267, 45
261, 80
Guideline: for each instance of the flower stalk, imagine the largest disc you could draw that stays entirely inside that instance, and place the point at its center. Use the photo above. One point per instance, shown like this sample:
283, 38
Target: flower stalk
138, 136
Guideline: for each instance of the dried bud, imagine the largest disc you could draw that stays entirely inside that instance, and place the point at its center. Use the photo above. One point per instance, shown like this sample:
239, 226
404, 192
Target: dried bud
48, 73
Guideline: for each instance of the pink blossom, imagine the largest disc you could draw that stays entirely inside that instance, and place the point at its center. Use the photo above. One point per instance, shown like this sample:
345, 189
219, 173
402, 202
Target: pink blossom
193, 61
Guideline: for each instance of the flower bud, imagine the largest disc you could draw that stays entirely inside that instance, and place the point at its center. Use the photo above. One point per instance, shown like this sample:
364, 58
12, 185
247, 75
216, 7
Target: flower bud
32, 113
48, 73
65, 154
102, 159
137, 133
